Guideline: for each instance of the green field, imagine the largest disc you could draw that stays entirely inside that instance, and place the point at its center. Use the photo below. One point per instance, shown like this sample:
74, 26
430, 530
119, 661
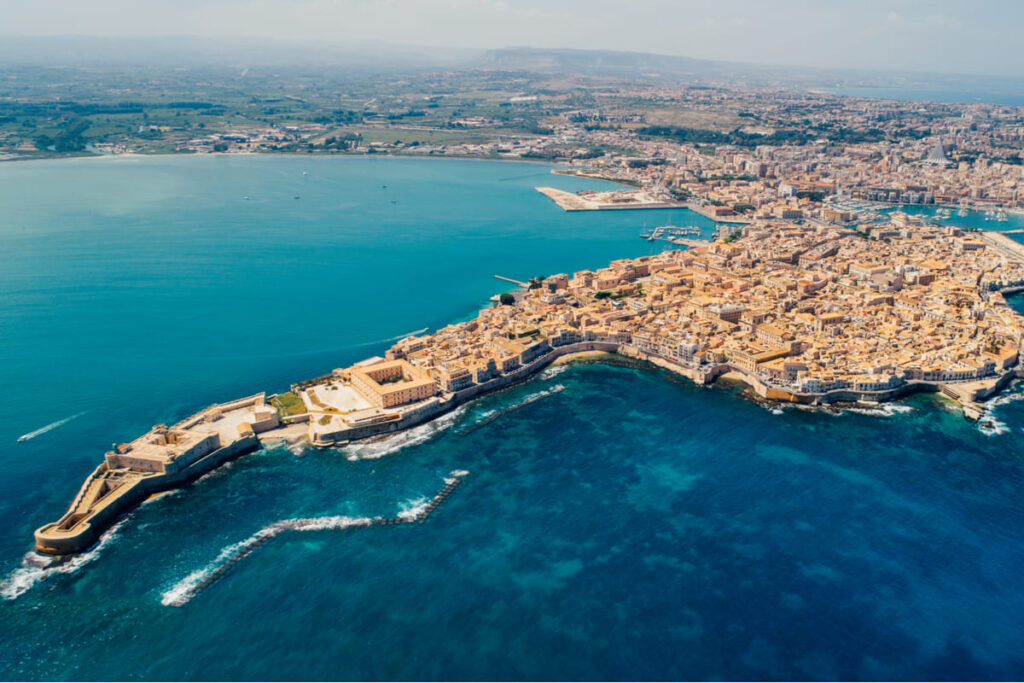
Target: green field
288, 404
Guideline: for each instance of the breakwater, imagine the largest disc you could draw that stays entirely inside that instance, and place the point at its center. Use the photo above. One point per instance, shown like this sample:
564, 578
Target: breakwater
197, 582
522, 404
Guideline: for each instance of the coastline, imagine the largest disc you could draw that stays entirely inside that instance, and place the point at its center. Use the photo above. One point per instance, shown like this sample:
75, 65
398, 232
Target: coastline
79, 530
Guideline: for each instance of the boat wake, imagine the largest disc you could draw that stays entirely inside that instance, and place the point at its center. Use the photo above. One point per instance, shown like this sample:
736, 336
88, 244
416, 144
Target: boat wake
49, 427
397, 337
36, 567
371, 450
412, 511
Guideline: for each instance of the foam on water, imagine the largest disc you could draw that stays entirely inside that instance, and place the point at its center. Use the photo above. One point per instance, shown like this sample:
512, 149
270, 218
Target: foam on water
410, 437
187, 588
183, 591
883, 410
413, 508
49, 427
36, 567
553, 371
988, 424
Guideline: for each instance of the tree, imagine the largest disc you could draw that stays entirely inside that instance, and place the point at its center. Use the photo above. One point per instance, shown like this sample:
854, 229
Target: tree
507, 298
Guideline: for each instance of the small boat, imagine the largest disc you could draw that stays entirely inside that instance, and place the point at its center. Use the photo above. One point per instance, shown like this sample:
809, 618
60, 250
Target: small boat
245, 196
296, 197
304, 173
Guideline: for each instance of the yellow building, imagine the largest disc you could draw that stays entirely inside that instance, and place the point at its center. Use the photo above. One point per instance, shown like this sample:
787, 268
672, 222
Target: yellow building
392, 383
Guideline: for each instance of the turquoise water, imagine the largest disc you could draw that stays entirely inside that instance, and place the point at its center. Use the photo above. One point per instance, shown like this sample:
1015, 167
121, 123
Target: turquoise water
628, 525
976, 220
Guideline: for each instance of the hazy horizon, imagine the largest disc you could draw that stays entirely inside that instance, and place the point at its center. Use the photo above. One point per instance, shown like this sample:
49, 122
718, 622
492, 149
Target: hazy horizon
945, 36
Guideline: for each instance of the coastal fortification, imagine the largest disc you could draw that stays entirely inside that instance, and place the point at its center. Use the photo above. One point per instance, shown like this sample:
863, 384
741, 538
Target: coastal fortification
810, 314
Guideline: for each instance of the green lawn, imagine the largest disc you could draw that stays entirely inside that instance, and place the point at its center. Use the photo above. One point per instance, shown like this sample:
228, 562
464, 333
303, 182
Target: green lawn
288, 403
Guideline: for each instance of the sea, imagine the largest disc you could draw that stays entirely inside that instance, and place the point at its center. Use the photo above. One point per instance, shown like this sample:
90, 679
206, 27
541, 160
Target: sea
1000, 93
612, 521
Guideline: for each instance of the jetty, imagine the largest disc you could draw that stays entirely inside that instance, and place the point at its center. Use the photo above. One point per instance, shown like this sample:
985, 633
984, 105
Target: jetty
508, 279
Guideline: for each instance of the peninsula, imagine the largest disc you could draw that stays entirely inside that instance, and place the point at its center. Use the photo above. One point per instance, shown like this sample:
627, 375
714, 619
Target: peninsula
807, 313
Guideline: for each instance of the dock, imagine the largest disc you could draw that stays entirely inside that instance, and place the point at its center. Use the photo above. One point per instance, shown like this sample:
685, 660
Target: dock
508, 279
677, 235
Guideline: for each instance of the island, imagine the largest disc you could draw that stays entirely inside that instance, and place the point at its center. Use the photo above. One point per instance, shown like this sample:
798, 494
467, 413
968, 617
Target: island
808, 313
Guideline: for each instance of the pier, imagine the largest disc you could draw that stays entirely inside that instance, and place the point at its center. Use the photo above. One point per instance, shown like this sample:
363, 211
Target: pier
508, 279
315, 524
677, 235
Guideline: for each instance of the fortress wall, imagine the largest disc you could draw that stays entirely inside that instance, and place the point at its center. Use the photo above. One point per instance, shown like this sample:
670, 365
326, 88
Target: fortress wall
131, 497
458, 398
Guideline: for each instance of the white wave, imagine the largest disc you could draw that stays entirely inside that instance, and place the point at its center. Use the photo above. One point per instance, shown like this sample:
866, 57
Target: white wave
299, 448
553, 371
49, 427
1005, 399
36, 567
991, 426
396, 442
884, 410
183, 591
988, 424
777, 411
413, 508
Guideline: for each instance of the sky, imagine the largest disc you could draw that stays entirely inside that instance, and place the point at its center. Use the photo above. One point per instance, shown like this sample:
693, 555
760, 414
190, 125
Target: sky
945, 36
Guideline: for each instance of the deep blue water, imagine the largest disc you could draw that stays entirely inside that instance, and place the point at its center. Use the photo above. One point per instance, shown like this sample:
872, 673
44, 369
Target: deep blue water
629, 526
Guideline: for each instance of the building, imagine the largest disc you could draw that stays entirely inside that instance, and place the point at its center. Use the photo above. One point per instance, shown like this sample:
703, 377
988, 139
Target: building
392, 383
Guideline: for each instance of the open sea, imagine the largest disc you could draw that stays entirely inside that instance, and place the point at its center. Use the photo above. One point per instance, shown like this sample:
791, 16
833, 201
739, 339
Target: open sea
625, 524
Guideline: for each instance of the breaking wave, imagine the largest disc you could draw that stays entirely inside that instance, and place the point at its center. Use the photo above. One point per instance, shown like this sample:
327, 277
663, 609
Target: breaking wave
553, 371
184, 590
36, 567
372, 450
883, 410
988, 423
491, 415
414, 510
